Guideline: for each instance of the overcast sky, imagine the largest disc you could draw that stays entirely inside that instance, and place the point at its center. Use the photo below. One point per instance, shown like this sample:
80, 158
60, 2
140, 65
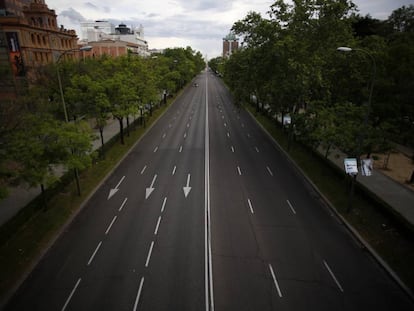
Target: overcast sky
200, 24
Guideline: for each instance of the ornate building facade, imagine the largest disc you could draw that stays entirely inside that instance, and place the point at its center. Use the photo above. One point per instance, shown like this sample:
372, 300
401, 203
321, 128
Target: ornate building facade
29, 37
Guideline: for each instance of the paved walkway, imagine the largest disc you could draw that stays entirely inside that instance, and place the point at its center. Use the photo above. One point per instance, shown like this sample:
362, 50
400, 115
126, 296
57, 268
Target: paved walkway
398, 196
21, 196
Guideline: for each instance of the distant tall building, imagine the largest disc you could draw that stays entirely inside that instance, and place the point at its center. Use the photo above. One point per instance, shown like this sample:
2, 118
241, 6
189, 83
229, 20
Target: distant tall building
230, 44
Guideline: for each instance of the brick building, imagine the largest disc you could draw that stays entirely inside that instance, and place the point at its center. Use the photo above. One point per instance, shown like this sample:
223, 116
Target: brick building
230, 44
113, 48
29, 37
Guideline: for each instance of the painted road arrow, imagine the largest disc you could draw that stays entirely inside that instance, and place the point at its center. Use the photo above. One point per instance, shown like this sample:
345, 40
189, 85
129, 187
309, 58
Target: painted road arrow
151, 188
115, 190
187, 188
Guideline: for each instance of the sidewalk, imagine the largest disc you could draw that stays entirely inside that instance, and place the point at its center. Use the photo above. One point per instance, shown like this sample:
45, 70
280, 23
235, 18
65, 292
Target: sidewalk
396, 195
20, 196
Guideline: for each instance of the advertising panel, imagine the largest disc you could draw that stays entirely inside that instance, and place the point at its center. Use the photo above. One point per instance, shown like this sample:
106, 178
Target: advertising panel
15, 54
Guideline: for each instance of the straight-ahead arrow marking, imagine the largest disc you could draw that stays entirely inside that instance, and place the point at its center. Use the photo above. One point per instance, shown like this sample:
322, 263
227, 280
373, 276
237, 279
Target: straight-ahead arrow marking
151, 188
187, 188
115, 190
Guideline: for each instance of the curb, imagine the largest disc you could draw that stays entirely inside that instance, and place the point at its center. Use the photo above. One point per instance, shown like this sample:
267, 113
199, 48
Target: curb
348, 226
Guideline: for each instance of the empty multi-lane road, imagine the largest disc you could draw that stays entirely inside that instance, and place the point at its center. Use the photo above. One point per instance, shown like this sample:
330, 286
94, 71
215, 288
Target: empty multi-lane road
206, 213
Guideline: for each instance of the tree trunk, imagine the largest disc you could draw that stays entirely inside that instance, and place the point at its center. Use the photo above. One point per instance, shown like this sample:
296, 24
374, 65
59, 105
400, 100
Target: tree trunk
102, 142
102, 138
127, 119
43, 194
386, 160
327, 151
121, 130
412, 178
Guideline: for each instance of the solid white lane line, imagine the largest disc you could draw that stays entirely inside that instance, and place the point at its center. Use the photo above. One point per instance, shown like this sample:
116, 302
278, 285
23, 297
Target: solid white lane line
269, 170
94, 253
110, 225
158, 225
207, 216
141, 284
257, 149
143, 170
149, 254
156, 149
174, 169
232, 149
163, 204
333, 276
291, 207
122, 205
239, 170
71, 294
250, 206
275, 281
181, 148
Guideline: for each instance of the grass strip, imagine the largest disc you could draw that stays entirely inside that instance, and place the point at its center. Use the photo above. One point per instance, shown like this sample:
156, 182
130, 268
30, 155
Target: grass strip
390, 239
24, 237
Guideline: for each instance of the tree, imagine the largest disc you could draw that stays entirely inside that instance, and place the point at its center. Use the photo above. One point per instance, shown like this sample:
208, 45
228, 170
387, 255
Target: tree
94, 101
402, 19
42, 143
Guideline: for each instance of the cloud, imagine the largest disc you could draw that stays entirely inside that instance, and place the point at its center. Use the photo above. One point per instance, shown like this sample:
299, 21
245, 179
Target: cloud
91, 6
72, 15
200, 24
380, 9
207, 5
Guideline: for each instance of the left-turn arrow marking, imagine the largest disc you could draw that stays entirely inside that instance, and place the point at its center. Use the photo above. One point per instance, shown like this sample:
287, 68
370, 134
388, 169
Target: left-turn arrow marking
151, 188
187, 188
115, 190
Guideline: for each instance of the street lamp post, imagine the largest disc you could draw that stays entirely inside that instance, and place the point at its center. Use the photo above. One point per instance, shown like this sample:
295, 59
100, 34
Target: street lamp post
368, 110
84, 48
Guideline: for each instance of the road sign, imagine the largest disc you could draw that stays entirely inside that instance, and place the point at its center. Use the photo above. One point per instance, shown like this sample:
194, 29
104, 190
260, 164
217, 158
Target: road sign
351, 166
366, 167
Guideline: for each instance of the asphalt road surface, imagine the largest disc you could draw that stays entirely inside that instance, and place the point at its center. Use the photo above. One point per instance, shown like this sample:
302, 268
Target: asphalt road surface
206, 213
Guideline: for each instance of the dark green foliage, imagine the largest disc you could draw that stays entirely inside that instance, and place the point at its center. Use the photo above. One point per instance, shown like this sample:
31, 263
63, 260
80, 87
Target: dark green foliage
289, 64
34, 137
